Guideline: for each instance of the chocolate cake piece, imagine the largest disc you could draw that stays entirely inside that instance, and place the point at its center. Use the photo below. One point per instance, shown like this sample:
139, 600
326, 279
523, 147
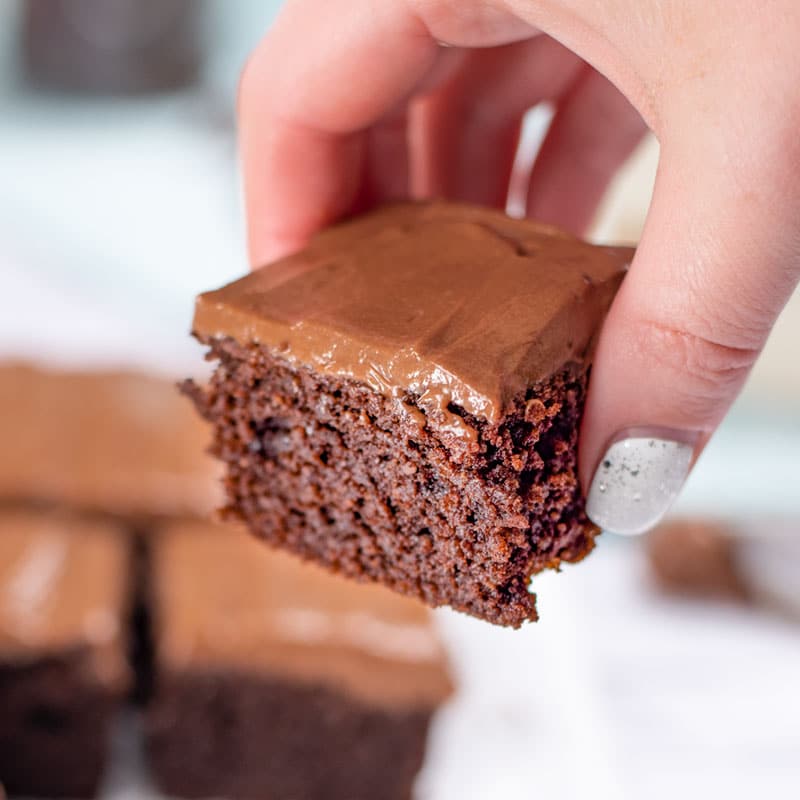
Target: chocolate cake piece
63, 672
123, 444
400, 401
275, 679
696, 557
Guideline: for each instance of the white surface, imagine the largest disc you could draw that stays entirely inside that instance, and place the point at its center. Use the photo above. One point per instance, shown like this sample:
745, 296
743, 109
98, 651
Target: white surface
616, 693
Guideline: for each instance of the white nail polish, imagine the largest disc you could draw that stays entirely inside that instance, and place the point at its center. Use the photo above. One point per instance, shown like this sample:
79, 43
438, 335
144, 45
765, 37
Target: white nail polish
638, 479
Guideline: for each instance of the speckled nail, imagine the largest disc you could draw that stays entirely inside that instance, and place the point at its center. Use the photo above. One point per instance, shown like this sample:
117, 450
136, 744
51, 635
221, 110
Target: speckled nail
638, 479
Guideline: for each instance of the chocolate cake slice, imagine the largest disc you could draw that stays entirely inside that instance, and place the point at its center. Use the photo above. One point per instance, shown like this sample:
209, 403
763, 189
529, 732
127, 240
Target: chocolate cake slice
63, 671
277, 680
400, 401
121, 444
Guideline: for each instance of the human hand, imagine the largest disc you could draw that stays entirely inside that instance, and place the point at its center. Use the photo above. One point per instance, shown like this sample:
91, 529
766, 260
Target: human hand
348, 103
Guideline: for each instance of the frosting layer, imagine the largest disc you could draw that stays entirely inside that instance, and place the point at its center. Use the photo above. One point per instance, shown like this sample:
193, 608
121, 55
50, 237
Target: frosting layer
115, 442
63, 587
454, 303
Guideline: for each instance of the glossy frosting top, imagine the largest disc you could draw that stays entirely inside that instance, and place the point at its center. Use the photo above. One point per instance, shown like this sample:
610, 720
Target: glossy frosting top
454, 303
227, 601
63, 587
116, 442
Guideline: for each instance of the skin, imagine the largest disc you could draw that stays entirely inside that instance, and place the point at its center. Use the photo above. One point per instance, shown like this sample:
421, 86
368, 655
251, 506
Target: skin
348, 103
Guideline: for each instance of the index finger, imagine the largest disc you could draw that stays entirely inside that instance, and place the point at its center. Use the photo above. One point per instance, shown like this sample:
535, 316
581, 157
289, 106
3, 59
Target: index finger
324, 73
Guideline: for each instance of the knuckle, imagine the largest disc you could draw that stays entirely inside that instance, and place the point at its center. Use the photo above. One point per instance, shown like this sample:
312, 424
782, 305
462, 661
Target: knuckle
468, 24
704, 371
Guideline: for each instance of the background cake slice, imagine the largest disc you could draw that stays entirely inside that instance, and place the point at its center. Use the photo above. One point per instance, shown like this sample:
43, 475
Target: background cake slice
400, 401
696, 557
119, 443
63, 609
275, 679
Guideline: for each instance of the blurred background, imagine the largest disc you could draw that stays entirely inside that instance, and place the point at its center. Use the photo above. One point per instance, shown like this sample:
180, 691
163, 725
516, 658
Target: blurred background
119, 201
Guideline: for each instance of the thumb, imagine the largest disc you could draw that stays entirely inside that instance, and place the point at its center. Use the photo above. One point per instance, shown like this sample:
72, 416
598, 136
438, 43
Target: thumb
719, 258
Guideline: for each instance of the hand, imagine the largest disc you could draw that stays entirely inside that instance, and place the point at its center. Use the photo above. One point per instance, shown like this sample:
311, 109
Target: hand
351, 102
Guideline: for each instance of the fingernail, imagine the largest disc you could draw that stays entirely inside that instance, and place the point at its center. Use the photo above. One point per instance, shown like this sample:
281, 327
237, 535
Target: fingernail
639, 478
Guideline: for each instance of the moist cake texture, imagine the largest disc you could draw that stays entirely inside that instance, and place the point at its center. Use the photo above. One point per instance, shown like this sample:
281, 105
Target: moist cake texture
275, 679
400, 401
118, 443
63, 672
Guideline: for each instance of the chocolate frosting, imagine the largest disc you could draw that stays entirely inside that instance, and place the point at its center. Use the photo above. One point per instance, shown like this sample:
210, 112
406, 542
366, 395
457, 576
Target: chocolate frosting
115, 442
225, 601
63, 588
457, 304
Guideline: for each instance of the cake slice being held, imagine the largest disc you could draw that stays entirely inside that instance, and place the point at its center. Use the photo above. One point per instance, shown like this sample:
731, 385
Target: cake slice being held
400, 401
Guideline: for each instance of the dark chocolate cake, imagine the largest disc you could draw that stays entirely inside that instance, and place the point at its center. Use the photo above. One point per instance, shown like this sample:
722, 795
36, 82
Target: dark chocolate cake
401, 400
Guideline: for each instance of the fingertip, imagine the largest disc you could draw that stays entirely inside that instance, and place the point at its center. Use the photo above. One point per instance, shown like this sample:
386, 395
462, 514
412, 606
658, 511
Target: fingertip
638, 478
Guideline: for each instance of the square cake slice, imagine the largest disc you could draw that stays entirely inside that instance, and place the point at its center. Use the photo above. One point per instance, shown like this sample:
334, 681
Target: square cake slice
63, 670
400, 401
120, 443
275, 679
